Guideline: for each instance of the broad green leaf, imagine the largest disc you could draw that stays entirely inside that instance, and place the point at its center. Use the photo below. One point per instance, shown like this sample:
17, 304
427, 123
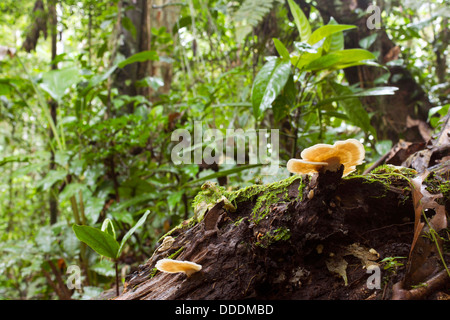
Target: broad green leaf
335, 41
174, 198
92, 208
140, 57
340, 59
101, 242
308, 53
71, 190
282, 105
326, 31
131, 231
124, 216
98, 79
50, 179
31, 168
129, 25
366, 42
62, 157
302, 23
281, 49
377, 91
353, 108
44, 239
104, 267
56, 82
153, 82
268, 84
358, 63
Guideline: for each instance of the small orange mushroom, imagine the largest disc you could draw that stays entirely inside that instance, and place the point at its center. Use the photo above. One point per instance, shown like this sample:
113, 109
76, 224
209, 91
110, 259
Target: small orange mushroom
175, 266
349, 153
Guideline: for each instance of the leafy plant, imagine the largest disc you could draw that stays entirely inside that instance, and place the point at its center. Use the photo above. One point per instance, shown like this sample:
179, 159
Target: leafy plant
104, 241
293, 84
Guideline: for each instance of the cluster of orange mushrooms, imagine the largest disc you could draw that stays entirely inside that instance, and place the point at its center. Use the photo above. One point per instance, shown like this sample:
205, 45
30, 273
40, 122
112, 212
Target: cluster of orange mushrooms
320, 157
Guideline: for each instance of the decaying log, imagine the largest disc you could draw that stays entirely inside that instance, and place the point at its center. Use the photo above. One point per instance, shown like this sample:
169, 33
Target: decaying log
306, 237
284, 255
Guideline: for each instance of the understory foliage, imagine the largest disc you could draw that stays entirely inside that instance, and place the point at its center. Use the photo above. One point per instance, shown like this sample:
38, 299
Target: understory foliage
104, 152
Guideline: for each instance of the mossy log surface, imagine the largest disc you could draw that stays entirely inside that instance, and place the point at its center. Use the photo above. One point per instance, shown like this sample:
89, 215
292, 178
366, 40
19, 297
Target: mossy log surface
288, 253
311, 237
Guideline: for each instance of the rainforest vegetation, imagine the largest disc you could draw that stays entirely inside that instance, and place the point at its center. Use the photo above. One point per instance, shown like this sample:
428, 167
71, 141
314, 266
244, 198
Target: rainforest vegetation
92, 94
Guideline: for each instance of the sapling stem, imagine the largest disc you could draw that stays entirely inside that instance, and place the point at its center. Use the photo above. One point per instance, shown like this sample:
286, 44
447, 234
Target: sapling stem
117, 277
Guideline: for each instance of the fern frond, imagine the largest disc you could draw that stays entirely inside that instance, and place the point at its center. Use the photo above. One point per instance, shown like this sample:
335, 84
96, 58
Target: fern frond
253, 11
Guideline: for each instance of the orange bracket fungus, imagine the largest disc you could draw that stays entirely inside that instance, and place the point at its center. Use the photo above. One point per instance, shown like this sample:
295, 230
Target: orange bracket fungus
175, 266
349, 153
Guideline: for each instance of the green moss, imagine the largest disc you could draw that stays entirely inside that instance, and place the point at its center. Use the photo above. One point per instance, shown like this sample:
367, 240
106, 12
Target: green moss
436, 185
301, 186
265, 195
386, 175
280, 234
390, 169
210, 195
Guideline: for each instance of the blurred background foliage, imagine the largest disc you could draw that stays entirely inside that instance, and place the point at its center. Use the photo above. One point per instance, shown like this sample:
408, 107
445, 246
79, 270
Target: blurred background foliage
91, 91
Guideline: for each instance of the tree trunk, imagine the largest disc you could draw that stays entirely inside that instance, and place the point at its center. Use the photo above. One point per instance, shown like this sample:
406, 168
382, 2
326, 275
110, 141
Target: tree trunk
145, 15
53, 201
316, 237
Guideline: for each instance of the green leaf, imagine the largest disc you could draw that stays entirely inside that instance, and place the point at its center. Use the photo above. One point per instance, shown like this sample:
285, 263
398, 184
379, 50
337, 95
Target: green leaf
174, 198
308, 53
268, 84
283, 103
281, 49
104, 268
153, 82
56, 82
108, 227
377, 91
140, 57
33, 167
98, 79
340, 59
334, 42
71, 190
326, 31
131, 231
128, 25
354, 110
101, 242
92, 208
50, 179
303, 26
366, 42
